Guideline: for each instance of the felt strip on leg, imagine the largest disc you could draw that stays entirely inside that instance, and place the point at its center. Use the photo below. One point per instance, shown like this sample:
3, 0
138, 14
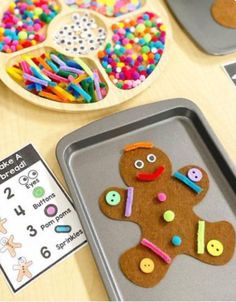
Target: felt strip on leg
188, 182
165, 257
201, 237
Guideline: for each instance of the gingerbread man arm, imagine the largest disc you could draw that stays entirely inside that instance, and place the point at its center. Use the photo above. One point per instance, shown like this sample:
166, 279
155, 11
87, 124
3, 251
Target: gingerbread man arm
2, 228
3, 249
16, 267
29, 263
191, 184
218, 243
112, 202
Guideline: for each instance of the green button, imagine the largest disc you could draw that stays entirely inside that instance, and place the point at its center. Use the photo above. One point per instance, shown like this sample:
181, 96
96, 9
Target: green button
113, 198
38, 192
169, 216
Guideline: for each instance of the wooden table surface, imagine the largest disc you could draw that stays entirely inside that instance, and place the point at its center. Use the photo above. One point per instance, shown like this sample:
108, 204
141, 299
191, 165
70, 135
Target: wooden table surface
188, 73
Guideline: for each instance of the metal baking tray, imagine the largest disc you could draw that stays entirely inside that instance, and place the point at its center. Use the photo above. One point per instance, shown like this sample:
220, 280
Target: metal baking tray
195, 17
89, 159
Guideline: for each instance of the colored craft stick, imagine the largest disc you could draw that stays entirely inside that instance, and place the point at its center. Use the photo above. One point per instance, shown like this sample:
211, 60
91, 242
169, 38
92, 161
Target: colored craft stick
25, 67
66, 74
201, 237
71, 69
55, 77
150, 176
44, 64
36, 73
91, 90
97, 86
34, 79
14, 74
50, 96
52, 65
32, 64
80, 78
84, 66
17, 70
38, 87
57, 60
165, 257
188, 182
82, 92
30, 87
58, 93
64, 93
129, 202
145, 145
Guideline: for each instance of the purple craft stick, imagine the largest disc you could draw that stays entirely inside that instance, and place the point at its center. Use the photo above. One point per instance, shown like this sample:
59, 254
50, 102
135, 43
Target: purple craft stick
35, 80
57, 60
72, 69
129, 201
97, 85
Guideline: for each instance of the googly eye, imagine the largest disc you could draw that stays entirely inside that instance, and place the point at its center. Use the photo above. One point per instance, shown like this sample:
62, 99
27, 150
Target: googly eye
75, 17
84, 19
139, 164
151, 158
33, 174
23, 180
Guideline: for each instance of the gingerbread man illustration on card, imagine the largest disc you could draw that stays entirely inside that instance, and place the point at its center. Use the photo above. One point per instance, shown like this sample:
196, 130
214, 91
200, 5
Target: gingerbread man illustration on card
161, 203
8, 245
23, 269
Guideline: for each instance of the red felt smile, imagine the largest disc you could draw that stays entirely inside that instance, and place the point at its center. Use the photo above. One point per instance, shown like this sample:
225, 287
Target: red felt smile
150, 176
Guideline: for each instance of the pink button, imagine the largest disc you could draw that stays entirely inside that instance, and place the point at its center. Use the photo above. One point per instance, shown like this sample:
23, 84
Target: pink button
195, 175
161, 197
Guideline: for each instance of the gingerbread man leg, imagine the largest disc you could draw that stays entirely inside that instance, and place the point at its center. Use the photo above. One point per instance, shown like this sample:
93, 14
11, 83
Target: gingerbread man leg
20, 276
28, 273
217, 240
142, 266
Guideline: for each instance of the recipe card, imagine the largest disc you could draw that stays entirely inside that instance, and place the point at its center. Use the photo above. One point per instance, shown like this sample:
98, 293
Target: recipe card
38, 223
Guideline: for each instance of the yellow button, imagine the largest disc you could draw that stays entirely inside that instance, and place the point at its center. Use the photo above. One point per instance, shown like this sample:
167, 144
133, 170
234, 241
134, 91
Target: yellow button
147, 265
215, 248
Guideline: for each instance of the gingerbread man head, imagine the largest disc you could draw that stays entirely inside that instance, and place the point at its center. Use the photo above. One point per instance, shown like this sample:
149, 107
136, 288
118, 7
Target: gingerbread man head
145, 166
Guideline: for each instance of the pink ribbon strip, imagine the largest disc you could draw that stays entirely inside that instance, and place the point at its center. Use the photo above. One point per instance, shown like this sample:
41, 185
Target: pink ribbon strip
156, 250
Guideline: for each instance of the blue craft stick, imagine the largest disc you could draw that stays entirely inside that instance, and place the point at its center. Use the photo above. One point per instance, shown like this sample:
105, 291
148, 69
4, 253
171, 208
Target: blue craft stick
53, 66
188, 182
73, 64
38, 87
82, 92
30, 87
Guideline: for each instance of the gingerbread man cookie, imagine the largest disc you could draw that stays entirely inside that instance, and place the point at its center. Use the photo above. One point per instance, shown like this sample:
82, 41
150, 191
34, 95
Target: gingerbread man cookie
9, 245
23, 268
161, 203
2, 228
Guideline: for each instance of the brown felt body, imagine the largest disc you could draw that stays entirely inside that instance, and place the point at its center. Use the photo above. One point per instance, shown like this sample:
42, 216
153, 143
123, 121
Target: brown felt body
224, 12
147, 212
